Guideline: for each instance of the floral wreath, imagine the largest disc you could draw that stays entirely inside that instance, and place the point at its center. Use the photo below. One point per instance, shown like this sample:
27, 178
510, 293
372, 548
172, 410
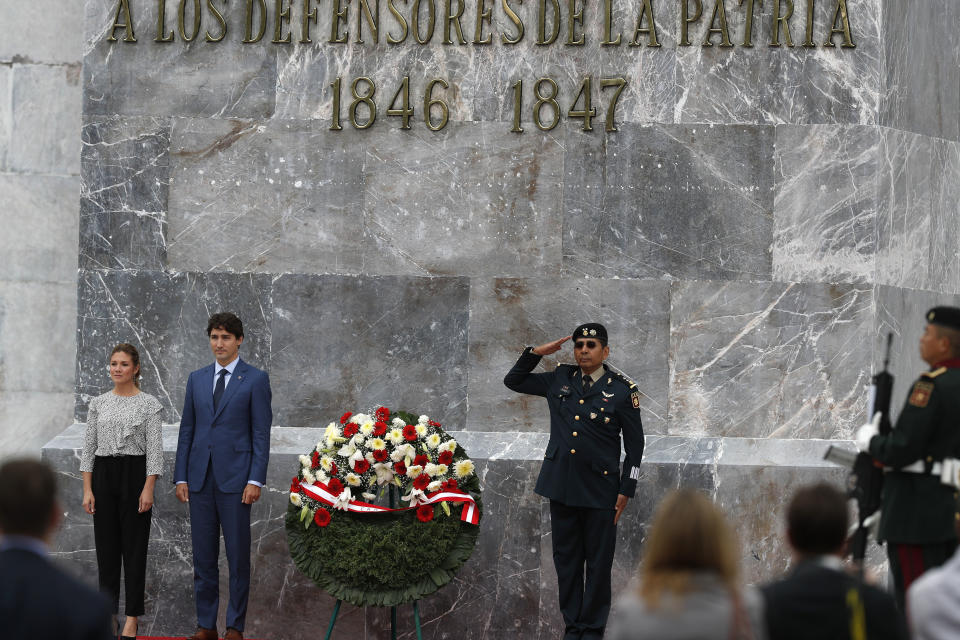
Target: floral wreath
367, 553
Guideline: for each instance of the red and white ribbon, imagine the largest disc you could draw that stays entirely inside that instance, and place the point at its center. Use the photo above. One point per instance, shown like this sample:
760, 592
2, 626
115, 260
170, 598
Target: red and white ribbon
470, 513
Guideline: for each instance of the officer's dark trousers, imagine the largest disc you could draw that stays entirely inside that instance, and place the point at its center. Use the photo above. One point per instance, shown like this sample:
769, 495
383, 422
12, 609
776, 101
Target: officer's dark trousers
909, 561
120, 533
581, 537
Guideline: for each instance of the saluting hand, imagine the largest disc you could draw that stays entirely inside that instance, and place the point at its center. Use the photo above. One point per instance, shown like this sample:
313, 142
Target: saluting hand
550, 347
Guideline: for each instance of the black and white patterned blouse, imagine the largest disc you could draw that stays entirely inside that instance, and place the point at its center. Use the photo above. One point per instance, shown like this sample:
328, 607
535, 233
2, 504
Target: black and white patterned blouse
124, 426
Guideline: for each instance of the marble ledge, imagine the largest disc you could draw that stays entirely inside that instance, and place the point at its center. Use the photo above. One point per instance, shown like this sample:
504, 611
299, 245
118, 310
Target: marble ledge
521, 446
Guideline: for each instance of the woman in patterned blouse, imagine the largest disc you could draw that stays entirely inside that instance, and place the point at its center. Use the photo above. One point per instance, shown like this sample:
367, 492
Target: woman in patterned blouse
122, 459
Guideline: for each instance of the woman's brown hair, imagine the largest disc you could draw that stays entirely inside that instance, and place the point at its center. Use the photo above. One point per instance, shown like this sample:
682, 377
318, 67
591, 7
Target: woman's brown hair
689, 534
130, 350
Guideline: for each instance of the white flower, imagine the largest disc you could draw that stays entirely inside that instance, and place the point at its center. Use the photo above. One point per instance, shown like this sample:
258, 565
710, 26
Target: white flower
343, 499
395, 436
421, 430
326, 462
376, 443
304, 461
408, 450
322, 477
356, 455
358, 439
332, 435
296, 500
433, 440
398, 423
368, 456
423, 419
442, 469
369, 496
463, 468
414, 497
433, 486
308, 477
449, 445
432, 469
359, 418
414, 470
347, 450
366, 428
353, 479
384, 472
397, 455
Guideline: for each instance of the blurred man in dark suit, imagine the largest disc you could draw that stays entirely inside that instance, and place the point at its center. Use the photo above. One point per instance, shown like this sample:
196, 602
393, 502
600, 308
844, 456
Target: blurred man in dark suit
38, 601
819, 599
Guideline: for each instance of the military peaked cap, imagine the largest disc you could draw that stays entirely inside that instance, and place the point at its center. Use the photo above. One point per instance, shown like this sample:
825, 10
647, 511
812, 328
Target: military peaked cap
945, 317
591, 330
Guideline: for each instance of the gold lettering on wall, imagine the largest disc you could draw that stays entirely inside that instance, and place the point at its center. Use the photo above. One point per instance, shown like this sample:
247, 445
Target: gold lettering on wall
123, 7
646, 11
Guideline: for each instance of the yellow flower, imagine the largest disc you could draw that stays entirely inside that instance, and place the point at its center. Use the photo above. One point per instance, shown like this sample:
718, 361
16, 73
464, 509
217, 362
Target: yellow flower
325, 462
414, 470
295, 499
464, 468
421, 430
353, 480
433, 440
376, 443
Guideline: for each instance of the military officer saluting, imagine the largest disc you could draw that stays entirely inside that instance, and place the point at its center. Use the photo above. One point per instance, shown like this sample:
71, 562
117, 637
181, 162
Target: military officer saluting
920, 487
591, 406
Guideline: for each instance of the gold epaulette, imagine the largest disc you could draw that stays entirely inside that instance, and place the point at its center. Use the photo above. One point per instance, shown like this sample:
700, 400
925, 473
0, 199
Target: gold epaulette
934, 373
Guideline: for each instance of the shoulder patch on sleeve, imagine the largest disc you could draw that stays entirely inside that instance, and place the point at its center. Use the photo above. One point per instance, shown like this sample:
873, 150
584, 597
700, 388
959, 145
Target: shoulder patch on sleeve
635, 399
934, 373
920, 395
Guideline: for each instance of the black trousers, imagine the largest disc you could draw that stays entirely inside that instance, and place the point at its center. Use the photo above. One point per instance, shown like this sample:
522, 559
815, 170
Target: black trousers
583, 544
909, 561
121, 534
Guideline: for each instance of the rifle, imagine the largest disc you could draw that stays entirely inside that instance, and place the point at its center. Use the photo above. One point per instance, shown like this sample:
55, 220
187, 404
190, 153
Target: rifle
865, 481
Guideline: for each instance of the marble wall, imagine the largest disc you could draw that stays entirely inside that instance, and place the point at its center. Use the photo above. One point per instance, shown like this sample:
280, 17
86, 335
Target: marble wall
761, 218
40, 114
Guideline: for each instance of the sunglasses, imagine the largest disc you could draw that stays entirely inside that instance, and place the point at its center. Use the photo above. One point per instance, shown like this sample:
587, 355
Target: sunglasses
589, 344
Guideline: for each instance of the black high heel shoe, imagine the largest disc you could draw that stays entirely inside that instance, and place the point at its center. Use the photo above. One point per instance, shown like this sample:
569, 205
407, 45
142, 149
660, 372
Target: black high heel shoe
134, 636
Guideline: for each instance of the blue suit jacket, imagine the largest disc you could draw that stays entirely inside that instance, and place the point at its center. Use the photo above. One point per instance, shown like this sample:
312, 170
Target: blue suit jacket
235, 438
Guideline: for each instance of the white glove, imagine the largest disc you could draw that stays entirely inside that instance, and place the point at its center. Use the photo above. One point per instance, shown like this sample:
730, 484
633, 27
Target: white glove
867, 431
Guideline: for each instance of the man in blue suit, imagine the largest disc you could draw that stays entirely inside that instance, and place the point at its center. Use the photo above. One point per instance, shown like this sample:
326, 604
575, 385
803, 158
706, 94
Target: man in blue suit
222, 455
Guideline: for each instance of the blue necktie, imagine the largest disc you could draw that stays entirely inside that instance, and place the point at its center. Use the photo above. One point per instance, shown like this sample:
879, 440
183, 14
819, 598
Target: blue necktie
218, 390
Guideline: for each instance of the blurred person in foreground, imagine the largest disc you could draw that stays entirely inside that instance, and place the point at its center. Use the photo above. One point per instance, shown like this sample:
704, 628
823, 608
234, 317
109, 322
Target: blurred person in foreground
38, 601
819, 598
689, 579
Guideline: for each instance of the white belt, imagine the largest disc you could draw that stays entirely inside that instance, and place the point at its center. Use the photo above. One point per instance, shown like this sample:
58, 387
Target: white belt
948, 470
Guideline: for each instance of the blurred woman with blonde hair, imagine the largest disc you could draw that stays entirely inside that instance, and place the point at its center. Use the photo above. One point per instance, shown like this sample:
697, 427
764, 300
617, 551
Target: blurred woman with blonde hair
689, 579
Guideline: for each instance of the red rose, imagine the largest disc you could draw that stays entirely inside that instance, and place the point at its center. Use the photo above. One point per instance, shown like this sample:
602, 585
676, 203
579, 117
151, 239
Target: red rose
446, 457
345, 417
321, 517
410, 432
450, 485
380, 455
382, 413
379, 428
421, 460
421, 481
361, 466
433, 424
400, 469
333, 468
351, 430
335, 486
315, 459
425, 513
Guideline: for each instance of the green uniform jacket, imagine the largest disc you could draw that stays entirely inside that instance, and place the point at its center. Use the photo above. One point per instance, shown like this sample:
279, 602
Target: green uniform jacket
918, 508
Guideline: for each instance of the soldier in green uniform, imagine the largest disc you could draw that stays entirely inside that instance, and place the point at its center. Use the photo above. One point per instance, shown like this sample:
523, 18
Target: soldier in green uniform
919, 491
591, 407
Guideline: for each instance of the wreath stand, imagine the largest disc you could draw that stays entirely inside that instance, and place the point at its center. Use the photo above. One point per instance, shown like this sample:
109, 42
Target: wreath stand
393, 620
393, 609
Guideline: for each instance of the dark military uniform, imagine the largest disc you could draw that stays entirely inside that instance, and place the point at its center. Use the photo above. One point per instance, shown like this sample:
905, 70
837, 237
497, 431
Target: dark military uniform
581, 475
919, 511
